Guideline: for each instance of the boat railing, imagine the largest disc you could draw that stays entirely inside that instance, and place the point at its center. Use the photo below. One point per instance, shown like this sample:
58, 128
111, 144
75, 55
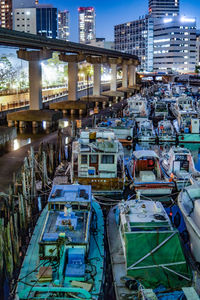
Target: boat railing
59, 289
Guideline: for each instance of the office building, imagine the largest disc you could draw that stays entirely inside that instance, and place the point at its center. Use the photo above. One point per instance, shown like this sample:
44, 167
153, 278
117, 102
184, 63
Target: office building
40, 20
6, 14
136, 38
162, 8
63, 25
175, 44
87, 27
23, 4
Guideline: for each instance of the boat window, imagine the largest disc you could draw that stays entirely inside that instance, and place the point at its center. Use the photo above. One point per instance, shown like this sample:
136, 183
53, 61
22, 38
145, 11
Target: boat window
107, 159
93, 159
83, 159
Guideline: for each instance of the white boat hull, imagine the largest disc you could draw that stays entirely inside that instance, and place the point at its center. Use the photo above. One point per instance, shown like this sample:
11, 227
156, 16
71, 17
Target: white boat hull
194, 237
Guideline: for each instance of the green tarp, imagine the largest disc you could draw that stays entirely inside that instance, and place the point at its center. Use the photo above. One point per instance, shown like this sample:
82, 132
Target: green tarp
156, 258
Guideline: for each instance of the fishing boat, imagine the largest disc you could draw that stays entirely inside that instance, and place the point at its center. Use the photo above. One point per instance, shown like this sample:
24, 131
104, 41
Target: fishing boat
165, 131
146, 132
147, 176
188, 127
189, 204
160, 110
122, 127
136, 106
65, 257
146, 251
98, 160
179, 164
183, 103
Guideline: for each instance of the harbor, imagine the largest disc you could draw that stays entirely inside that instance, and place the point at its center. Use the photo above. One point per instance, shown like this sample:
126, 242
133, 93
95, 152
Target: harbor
83, 154
99, 152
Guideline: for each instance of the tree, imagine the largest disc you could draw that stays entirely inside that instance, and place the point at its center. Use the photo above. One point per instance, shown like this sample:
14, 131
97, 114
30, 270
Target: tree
7, 73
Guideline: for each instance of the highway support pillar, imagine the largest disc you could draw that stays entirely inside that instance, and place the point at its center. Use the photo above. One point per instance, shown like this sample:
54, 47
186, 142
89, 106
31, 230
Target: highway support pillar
132, 75
72, 81
124, 75
35, 74
113, 81
97, 79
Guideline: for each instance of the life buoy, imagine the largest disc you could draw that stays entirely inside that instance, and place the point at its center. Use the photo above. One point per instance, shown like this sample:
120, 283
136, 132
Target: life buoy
151, 163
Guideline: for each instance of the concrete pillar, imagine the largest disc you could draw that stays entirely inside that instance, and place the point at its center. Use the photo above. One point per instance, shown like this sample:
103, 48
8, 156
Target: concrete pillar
35, 124
72, 81
124, 75
22, 124
72, 111
35, 74
10, 123
35, 84
97, 79
48, 124
132, 75
113, 82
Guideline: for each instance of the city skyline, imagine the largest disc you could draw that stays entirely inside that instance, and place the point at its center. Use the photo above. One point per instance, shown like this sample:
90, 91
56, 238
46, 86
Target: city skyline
115, 12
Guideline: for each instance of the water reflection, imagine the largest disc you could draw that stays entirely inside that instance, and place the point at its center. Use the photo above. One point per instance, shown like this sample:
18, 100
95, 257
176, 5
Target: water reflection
18, 143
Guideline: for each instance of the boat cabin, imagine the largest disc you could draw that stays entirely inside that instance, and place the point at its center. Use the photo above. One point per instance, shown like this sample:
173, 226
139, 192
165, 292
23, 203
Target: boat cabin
146, 166
98, 159
68, 220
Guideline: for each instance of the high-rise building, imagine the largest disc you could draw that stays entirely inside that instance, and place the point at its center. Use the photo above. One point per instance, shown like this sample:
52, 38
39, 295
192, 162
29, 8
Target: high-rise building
63, 25
23, 3
87, 28
46, 20
161, 8
6, 14
175, 44
136, 38
40, 20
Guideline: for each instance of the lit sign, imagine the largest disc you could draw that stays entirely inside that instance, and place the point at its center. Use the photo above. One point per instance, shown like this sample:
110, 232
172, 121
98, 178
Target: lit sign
167, 20
187, 20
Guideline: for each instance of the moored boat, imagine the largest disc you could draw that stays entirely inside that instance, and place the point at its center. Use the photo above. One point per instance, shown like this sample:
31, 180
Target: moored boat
98, 160
145, 251
165, 131
122, 127
146, 132
146, 175
63, 260
178, 163
189, 204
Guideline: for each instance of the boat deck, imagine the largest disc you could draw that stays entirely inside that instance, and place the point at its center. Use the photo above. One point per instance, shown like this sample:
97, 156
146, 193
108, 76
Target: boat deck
57, 223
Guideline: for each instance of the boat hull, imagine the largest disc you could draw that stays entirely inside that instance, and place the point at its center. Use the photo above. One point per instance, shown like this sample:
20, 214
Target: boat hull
103, 185
189, 138
149, 189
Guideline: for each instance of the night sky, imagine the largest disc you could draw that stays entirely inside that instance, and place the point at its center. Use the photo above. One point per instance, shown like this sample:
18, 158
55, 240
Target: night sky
112, 12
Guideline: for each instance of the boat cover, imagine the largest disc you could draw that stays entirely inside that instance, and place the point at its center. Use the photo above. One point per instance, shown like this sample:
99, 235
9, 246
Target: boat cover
155, 258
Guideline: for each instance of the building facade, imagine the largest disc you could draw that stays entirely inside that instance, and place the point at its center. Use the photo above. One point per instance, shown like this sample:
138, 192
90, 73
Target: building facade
46, 20
6, 14
24, 19
63, 25
40, 20
162, 8
175, 44
136, 38
87, 26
